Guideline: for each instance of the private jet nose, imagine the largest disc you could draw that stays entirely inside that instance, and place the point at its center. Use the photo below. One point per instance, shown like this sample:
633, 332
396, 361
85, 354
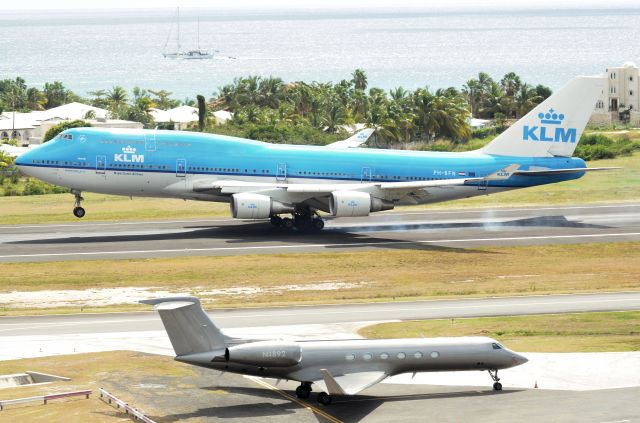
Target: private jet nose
518, 359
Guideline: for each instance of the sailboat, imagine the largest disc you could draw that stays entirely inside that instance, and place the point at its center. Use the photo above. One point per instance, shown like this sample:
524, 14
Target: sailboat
184, 54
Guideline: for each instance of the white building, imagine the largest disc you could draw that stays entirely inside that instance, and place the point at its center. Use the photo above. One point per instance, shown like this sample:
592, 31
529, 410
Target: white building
182, 116
29, 128
620, 101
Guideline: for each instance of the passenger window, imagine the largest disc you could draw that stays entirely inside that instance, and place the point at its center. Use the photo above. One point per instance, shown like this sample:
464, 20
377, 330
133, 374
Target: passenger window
435, 354
367, 356
401, 355
384, 356
350, 357
417, 354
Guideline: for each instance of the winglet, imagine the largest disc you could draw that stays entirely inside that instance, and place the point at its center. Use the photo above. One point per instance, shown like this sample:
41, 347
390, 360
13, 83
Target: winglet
332, 385
356, 140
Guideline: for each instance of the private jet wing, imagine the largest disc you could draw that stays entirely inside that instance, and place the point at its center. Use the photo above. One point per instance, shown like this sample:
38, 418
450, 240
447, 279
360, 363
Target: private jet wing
350, 383
296, 193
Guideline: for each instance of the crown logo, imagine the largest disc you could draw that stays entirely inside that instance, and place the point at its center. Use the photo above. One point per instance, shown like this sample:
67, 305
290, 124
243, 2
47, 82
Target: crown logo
128, 150
551, 117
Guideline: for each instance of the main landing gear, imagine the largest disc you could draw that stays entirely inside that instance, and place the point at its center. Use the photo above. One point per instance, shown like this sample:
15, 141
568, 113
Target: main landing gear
324, 398
303, 219
497, 386
304, 390
78, 211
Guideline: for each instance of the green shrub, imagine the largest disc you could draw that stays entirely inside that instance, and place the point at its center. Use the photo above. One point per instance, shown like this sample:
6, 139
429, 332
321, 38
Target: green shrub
63, 126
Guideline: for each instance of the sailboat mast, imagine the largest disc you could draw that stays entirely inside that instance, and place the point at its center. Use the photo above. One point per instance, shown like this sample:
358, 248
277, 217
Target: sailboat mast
178, 38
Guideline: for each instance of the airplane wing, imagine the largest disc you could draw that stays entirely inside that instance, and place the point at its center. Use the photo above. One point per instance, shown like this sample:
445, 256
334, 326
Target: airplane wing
356, 140
285, 192
350, 383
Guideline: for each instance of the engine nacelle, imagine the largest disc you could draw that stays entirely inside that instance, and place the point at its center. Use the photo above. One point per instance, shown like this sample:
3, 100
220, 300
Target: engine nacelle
265, 354
354, 203
256, 206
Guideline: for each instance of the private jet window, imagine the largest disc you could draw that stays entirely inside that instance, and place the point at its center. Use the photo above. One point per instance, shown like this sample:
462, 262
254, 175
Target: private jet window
350, 357
367, 356
417, 354
401, 356
496, 346
435, 354
384, 356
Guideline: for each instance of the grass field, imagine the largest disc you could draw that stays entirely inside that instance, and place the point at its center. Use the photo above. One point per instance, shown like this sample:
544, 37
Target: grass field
620, 185
420, 272
575, 332
87, 371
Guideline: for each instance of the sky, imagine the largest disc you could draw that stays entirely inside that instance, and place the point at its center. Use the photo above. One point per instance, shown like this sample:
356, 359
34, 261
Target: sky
328, 4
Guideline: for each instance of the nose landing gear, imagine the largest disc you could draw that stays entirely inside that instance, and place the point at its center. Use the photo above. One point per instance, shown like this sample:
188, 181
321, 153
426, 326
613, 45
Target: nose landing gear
497, 386
78, 211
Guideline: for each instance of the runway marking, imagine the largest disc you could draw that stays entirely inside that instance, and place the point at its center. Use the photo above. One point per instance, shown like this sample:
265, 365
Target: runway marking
294, 399
299, 246
430, 212
350, 310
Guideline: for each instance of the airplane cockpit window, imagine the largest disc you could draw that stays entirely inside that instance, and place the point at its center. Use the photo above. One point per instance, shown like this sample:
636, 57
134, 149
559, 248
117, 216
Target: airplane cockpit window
66, 137
496, 346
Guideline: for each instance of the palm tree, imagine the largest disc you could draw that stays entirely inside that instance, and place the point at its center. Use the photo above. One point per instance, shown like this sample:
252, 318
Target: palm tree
56, 94
117, 97
359, 79
270, 92
526, 99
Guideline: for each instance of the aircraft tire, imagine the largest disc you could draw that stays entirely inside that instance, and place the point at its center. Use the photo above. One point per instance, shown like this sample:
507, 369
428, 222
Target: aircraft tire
324, 398
317, 224
287, 223
497, 386
79, 212
303, 392
276, 221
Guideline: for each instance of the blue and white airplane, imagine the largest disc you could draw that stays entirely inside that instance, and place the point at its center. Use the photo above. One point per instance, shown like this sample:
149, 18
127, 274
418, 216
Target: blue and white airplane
266, 181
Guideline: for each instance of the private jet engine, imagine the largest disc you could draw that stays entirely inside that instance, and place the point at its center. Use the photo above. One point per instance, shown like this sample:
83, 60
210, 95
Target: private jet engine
256, 206
265, 354
354, 204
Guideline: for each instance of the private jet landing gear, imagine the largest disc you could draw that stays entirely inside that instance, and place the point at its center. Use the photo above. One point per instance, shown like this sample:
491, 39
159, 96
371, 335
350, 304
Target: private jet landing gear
497, 386
324, 398
304, 390
78, 211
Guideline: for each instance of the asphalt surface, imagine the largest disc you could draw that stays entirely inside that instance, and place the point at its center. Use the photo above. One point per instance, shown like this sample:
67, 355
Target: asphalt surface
413, 230
277, 316
213, 396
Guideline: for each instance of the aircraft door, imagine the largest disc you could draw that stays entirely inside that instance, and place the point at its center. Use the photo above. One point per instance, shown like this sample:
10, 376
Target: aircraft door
366, 174
150, 142
101, 164
281, 172
181, 168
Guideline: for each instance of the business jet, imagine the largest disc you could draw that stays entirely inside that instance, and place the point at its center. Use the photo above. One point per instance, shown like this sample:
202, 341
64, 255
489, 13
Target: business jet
337, 367
266, 181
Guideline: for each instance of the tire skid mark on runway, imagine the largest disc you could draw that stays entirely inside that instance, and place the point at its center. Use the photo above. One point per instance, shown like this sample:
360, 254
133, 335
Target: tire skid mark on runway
334, 245
304, 404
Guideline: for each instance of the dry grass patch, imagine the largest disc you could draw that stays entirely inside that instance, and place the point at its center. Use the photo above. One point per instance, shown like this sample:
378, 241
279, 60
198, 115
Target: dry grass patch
376, 275
574, 332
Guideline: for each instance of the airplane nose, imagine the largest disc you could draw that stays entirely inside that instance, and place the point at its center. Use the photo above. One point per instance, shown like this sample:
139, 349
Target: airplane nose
519, 359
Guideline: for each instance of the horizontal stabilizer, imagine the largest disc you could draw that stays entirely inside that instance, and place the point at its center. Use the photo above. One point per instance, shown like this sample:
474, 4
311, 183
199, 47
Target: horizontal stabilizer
354, 141
546, 172
348, 384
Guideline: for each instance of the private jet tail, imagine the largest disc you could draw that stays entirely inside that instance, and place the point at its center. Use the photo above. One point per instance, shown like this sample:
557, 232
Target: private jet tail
554, 127
189, 328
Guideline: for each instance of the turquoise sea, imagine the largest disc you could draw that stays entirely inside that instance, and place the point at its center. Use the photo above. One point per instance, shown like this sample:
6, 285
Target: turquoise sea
90, 50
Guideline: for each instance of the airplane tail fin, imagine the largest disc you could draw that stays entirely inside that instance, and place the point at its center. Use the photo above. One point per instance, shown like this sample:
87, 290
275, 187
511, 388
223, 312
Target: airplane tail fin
554, 127
189, 328
356, 140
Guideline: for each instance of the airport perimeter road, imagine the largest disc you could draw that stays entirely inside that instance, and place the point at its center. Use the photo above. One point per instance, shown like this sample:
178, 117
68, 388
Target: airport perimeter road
277, 316
424, 229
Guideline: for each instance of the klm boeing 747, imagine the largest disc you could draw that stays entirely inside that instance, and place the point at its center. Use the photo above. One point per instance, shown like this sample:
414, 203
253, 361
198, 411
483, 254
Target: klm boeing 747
267, 181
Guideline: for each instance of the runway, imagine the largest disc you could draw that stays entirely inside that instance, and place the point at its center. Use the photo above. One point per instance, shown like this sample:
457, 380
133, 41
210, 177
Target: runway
58, 325
462, 228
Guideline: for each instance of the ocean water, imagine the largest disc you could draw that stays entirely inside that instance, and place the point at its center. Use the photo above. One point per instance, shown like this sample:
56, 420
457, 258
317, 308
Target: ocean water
90, 50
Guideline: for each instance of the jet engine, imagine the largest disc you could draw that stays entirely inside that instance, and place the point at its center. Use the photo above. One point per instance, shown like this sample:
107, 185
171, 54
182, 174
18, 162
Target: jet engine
354, 203
256, 206
265, 354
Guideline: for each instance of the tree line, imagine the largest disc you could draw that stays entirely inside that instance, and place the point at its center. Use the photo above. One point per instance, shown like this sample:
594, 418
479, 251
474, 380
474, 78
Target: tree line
271, 109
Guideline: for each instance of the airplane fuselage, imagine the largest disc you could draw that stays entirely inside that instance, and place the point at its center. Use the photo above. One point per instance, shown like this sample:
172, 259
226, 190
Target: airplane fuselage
171, 164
